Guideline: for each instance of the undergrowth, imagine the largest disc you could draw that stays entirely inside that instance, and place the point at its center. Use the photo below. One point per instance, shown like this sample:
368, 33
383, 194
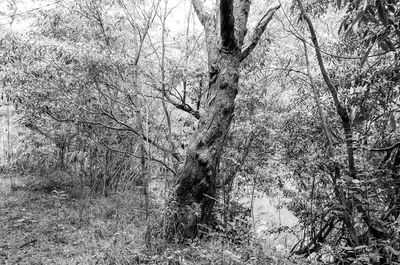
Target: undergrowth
62, 227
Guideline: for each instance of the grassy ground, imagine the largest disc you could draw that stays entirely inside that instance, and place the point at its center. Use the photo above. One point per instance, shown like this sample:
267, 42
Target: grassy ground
43, 228
38, 227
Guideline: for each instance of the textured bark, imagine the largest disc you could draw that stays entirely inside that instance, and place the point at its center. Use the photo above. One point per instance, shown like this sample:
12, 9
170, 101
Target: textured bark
198, 174
196, 188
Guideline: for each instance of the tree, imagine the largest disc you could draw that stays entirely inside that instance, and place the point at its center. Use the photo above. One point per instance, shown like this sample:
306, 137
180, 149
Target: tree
345, 185
195, 193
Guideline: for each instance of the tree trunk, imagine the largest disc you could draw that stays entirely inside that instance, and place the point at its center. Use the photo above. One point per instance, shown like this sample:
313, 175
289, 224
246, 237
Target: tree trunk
197, 177
196, 188
352, 202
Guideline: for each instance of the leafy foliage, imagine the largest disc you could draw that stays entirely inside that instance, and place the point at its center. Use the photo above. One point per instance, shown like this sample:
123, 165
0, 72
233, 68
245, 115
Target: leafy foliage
83, 74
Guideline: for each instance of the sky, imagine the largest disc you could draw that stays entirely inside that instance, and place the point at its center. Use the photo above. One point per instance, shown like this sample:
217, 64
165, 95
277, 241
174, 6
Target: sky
15, 14
24, 9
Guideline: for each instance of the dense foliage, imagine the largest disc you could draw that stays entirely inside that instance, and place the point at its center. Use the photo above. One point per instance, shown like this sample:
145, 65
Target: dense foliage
109, 94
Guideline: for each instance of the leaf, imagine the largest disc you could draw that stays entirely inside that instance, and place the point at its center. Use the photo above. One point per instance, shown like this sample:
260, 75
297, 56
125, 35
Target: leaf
353, 116
356, 3
356, 19
365, 5
356, 181
360, 247
347, 248
390, 45
392, 122
392, 250
378, 228
347, 178
382, 12
359, 198
365, 57
374, 256
370, 18
339, 3
391, 8
343, 25
384, 46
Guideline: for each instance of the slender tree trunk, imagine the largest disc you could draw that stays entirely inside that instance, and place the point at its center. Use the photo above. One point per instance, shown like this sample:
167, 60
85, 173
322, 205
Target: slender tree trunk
353, 204
335, 172
142, 149
318, 102
342, 112
8, 135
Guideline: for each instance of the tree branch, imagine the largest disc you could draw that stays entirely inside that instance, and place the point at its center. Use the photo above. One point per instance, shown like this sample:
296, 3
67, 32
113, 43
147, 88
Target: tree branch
87, 122
317, 99
183, 106
33, 127
126, 128
136, 156
258, 31
342, 112
315, 244
344, 116
241, 12
228, 40
187, 108
384, 149
201, 12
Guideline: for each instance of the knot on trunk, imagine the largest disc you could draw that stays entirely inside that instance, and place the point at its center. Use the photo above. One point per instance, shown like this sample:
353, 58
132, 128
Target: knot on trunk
229, 79
204, 159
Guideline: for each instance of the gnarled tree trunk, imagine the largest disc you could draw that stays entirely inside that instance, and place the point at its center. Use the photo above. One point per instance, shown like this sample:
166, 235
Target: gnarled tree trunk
196, 188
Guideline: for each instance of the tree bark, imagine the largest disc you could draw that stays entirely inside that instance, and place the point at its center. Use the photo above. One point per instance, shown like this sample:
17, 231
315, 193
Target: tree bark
196, 185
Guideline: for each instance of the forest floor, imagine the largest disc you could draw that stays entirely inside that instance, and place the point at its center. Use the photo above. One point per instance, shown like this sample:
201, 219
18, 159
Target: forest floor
38, 227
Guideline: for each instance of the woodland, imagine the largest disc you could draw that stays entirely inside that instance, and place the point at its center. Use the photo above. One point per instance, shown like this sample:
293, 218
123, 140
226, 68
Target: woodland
144, 131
